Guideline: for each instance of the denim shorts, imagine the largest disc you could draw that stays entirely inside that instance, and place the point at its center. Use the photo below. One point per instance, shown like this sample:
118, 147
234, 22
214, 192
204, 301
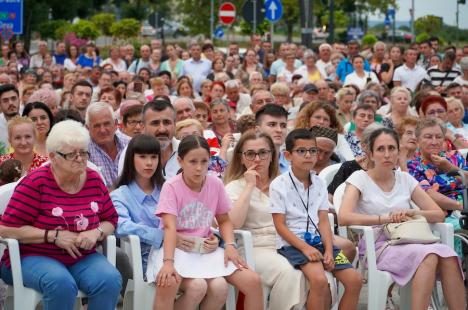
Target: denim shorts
297, 258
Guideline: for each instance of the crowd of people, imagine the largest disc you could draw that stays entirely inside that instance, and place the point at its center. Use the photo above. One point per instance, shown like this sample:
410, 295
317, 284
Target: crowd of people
173, 143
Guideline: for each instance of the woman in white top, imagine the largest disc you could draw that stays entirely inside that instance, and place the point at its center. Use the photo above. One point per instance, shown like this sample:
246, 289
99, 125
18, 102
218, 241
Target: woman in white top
400, 98
455, 113
254, 165
382, 195
286, 73
118, 64
360, 77
70, 62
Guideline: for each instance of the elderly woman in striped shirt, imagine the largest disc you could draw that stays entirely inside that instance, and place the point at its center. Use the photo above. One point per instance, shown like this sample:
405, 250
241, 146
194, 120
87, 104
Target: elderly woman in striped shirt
58, 213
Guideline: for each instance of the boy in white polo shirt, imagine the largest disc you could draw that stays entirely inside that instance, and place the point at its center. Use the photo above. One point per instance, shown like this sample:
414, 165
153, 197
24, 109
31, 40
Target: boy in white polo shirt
299, 208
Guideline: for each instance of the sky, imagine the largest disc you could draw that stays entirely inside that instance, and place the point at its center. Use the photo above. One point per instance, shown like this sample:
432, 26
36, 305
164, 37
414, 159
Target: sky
443, 8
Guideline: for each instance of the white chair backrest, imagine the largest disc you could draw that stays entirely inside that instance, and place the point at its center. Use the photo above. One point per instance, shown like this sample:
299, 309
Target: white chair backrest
6, 191
463, 152
329, 172
338, 196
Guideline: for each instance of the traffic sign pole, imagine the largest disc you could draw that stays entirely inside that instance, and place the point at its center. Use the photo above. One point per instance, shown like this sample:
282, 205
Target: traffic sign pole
254, 16
211, 19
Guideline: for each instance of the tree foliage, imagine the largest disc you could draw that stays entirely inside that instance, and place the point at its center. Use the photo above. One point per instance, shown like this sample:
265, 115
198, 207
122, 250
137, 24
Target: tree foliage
103, 22
430, 24
369, 40
125, 28
48, 29
85, 29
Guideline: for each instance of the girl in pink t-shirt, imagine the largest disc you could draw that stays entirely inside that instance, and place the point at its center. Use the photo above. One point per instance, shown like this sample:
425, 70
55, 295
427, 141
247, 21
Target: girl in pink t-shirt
189, 203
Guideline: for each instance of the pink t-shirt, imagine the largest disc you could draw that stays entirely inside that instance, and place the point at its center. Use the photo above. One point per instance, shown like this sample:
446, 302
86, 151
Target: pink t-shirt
194, 210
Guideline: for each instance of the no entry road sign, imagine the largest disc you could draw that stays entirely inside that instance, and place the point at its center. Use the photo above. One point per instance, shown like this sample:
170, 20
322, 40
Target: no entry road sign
227, 13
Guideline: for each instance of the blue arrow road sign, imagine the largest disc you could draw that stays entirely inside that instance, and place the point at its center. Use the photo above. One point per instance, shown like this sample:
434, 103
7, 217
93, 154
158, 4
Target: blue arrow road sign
11, 13
219, 33
273, 10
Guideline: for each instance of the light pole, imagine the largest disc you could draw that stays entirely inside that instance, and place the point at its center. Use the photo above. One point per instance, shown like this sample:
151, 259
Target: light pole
211, 19
412, 21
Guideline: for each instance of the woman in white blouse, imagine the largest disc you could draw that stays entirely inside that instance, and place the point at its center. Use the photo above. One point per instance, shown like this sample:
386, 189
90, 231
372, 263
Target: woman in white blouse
360, 77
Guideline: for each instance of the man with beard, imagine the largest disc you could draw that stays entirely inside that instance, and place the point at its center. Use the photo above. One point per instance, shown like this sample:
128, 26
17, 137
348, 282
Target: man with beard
159, 120
9, 106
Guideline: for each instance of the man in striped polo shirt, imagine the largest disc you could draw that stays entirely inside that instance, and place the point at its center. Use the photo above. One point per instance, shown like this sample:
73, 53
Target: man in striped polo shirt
442, 75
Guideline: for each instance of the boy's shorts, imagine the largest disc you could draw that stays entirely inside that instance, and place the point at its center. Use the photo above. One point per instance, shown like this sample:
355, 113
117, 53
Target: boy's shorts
297, 258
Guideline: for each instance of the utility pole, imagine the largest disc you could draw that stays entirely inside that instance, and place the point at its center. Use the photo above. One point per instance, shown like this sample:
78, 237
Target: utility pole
331, 23
306, 8
412, 21
458, 25
211, 19
254, 16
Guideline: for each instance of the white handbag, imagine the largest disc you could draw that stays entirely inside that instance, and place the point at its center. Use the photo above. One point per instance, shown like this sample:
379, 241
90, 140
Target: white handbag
416, 230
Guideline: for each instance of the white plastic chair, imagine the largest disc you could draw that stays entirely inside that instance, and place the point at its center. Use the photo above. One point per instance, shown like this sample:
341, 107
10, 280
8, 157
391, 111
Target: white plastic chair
380, 281
266, 290
464, 152
6, 191
20, 297
139, 294
328, 173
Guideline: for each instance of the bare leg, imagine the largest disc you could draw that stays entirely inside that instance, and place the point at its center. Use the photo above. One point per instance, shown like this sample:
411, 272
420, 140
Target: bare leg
165, 295
194, 292
423, 282
452, 283
318, 284
216, 294
250, 284
352, 283
346, 245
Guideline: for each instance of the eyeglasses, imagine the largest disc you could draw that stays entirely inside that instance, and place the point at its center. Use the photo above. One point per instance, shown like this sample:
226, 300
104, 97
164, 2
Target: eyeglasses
302, 151
251, 155
74, 155
133, 123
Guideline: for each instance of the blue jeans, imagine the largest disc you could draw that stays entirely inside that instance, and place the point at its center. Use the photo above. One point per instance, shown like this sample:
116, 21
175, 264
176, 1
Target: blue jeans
59, 284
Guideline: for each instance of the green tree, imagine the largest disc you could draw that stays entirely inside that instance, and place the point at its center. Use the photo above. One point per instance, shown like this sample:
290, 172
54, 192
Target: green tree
48, 28
429, 23
369, 40
126, 28
103, 22
85, 29
341, 19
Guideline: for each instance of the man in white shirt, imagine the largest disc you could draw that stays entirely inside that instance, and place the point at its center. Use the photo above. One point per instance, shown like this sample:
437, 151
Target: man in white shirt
9, 106
196, 67
410, 74
324, 61
37, 60
143, 61
278, 64
234, 95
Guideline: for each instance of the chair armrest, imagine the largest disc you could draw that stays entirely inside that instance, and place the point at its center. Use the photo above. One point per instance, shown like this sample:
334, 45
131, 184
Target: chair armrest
133, 250
446, 233
331, 219
246, 238
368, 234
15, 261
109, 246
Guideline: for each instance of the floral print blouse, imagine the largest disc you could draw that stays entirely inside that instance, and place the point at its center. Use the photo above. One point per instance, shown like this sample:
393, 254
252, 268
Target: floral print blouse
429, 176
354, 143
37, 161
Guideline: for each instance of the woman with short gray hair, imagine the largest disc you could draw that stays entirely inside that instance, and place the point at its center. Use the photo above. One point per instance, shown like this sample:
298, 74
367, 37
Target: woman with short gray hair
59, 213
